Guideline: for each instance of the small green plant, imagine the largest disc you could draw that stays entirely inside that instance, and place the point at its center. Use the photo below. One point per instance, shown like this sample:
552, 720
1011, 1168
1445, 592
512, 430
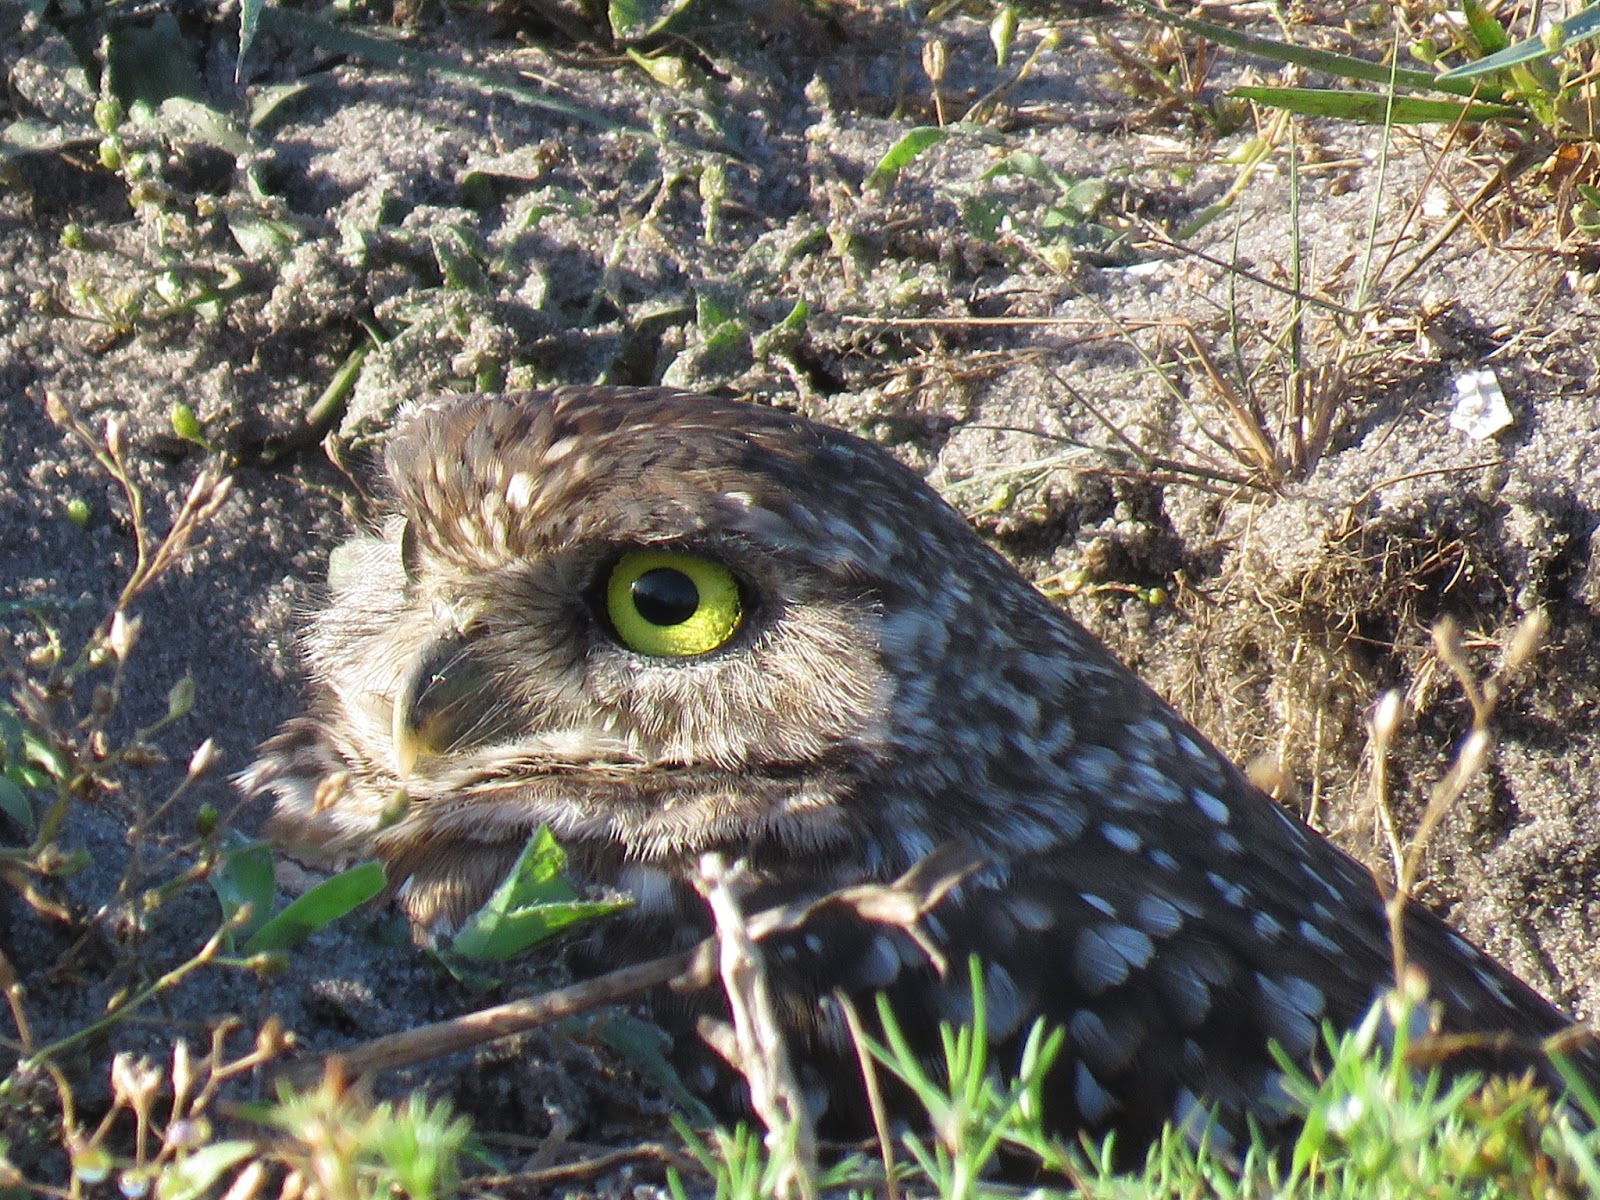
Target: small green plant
1376, 1118
741, 1166
532, 905
343, 1146
1453, 97
246, 885
973, 1110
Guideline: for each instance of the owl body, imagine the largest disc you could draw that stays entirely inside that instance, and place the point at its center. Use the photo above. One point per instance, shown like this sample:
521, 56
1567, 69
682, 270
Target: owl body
663, 624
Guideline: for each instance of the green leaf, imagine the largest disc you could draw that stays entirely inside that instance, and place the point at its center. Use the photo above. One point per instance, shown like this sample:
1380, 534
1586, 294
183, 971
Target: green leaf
10, 735
1003, 32
48, 758
983, 217
1027, 165
147, 64
249, 17
21, 137
320, 907
1578, 28
15, 805
524, 928
634, 20
246, 876
1377, 109
469, 973
531, 905
196, 1175
272, 101
187, 426
796, 320
668, 70
262, 238
26, 775
205, 124
456, 251
641, 1043
536, 876
904, 152
718, 324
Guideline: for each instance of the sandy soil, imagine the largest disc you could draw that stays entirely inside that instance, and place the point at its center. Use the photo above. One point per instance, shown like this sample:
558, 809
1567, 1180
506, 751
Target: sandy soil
1025, 329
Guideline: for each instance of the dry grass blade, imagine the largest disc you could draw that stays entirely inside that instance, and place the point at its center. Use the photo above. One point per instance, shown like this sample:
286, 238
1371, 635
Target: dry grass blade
540, 1181
869, 1076
1247, 421
502, 1020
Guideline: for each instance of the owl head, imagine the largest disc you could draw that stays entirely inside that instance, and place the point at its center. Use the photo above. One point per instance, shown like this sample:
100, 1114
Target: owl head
659, 623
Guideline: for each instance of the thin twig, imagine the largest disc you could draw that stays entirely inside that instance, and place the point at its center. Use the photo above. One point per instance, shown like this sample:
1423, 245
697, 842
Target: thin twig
759, 1051
1469, 761
517, 1016
902, 903
538, 1182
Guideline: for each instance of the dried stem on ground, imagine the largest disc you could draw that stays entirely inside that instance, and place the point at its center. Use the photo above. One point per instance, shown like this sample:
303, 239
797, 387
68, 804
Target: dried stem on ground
902, 903
1467, 765
753, 1044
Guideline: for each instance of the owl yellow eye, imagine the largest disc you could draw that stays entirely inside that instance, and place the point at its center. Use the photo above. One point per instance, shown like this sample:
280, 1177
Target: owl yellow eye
672, 605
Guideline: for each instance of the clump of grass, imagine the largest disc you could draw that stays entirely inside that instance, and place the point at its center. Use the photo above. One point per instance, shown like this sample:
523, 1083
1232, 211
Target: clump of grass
1375, 1125
338, 1144
1540, 90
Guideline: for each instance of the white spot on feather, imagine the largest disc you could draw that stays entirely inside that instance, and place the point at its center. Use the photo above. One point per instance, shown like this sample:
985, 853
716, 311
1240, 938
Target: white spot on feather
1317, 938
1094, 1102
1105, 954
1121, 837
1210, 805
519, 492
1158, 916
1099, 903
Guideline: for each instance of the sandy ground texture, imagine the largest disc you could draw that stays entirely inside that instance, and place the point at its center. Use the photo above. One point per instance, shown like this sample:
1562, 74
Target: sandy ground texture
1032, 311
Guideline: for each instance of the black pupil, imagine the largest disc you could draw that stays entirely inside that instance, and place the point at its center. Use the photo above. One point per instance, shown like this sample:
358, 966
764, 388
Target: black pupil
665, 596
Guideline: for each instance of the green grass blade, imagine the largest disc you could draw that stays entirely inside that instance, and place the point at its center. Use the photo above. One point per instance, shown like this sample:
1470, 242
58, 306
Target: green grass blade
1342, 66
1579, 28
427, 63
1376, 109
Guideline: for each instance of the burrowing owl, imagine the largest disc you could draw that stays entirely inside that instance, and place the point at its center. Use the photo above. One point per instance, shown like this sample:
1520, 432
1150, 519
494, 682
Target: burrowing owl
661, 623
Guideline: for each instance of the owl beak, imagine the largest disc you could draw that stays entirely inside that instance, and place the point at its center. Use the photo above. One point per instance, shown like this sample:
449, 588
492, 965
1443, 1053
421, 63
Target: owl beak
439, 703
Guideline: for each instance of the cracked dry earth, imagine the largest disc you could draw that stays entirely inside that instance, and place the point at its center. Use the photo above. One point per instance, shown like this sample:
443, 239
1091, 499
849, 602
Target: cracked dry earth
1030, 311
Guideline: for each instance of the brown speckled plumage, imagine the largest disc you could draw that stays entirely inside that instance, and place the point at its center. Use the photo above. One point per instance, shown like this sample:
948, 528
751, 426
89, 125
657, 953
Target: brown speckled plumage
895, 684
